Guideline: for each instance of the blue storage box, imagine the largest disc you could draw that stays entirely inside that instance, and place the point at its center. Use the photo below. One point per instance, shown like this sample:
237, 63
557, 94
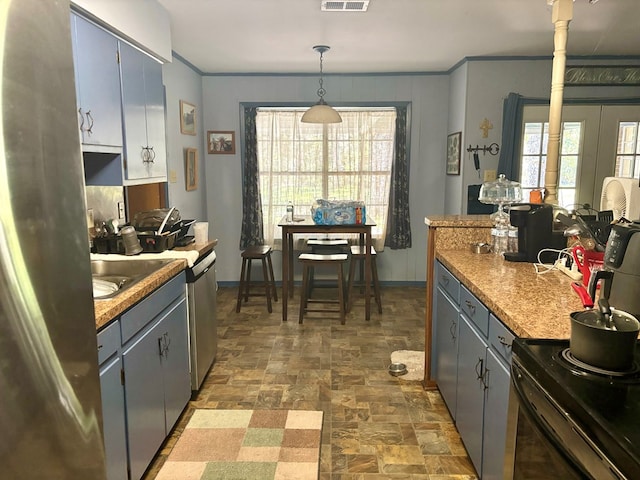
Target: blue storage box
340, 212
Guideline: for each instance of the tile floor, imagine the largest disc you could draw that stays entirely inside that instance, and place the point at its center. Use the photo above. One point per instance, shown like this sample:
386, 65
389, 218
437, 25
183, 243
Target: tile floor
376, 426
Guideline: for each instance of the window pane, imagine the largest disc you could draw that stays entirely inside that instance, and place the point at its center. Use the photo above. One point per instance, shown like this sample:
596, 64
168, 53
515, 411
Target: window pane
568, 171
627, 134
624, 166
571, 138
530, 171
532, 142
543, 168
566, 197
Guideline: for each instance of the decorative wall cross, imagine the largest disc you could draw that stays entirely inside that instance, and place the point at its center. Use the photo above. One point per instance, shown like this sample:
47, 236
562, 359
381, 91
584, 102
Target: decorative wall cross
485, 126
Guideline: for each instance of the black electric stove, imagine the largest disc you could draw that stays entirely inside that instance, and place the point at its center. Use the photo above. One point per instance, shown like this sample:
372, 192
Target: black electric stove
605, 406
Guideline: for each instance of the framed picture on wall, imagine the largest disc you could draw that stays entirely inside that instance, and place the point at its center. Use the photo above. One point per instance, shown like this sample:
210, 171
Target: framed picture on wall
191, 168
187, 118
453, 153
221, 142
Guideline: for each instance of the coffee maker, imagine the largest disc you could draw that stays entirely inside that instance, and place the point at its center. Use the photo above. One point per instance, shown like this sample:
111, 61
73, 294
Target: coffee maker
621, 273
535, 233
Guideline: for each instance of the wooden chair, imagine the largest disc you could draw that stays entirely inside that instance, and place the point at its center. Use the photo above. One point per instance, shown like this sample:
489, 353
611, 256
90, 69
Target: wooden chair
262, 253
358, 259
310, 261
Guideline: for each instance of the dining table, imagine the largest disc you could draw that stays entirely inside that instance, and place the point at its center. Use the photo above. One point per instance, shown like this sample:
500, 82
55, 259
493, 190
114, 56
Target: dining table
304, 224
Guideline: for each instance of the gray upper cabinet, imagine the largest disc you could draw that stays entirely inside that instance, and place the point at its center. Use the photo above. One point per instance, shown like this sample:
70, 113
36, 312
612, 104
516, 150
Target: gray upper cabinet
145, 157
97, 87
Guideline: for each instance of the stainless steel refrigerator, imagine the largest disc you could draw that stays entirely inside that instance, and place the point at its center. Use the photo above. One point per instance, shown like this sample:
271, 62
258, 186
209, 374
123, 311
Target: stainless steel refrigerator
50, 414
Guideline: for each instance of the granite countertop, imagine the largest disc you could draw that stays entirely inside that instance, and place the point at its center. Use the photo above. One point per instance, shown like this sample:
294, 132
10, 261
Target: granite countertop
531, 305
107, 309
458, 221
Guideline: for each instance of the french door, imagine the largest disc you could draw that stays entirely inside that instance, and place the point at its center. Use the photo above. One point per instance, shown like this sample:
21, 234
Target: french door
593, 137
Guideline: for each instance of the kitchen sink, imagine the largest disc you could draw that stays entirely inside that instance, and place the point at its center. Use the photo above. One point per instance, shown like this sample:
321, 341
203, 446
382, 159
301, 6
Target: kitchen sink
111, 277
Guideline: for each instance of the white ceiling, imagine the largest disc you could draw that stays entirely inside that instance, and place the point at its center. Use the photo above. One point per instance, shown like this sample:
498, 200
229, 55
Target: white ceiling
277, 36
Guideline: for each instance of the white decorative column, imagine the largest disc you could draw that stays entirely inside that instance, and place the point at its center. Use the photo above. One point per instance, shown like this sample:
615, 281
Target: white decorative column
560, 17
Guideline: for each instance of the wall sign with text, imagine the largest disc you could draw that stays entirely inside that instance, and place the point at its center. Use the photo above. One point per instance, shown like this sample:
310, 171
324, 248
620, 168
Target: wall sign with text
623, 75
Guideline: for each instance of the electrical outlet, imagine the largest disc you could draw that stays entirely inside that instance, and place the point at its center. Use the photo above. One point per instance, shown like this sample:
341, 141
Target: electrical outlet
173, 176
121, 213
489, 175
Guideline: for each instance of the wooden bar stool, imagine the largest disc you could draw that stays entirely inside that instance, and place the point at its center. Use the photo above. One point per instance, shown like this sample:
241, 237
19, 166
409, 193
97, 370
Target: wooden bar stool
262, 253
310, 261
357, 258
325, 246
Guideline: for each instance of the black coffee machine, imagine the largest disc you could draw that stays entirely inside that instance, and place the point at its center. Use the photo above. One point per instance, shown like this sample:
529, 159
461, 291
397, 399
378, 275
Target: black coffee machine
535, 233
621, 273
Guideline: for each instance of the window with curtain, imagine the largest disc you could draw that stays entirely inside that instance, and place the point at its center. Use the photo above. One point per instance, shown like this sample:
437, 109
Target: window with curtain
302, 162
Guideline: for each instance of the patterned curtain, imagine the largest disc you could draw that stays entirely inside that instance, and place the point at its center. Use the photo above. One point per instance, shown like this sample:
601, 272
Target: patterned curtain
252, 229
399, 221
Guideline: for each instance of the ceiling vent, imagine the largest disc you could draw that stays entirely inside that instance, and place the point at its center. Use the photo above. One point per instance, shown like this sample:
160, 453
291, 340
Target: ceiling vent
333, 6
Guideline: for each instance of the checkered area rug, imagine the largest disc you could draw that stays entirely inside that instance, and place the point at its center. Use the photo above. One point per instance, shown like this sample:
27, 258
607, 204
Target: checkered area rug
246, 444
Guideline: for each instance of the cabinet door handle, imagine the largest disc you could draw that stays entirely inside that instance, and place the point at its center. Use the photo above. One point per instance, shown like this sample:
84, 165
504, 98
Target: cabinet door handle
484, 379
445, 281
145, 155
471, 307
479, 369
452, 330
152, 154
81, 119
503, 341
163, 344
90, 120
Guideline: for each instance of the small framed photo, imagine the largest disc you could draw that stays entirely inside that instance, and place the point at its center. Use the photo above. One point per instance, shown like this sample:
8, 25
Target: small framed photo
191, 168
187, 118
453, 153
219, 142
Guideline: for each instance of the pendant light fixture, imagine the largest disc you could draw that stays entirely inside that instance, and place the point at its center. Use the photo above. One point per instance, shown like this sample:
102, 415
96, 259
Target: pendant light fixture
321, 112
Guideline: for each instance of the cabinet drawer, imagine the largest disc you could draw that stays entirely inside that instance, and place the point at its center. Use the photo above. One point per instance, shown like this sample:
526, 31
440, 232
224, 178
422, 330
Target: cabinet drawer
108, 341
141, 314
448, 282
474, 309
500, 338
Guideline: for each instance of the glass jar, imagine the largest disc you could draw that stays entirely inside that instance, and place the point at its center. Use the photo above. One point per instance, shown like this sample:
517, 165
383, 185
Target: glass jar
502, 238
512, 239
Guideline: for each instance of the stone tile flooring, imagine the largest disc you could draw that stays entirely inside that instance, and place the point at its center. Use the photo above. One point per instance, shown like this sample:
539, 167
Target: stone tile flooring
376, 426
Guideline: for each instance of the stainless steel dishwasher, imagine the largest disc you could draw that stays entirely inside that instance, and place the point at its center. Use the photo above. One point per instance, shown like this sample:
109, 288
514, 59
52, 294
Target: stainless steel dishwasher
201, 295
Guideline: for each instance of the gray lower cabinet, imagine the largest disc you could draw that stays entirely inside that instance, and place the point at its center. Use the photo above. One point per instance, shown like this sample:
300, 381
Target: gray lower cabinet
156, 364
471, 391
473, 377
112, 392
145, 378
495, 418
446, 338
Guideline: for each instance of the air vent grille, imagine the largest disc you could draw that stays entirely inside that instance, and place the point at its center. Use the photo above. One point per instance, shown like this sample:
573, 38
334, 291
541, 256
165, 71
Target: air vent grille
335, 6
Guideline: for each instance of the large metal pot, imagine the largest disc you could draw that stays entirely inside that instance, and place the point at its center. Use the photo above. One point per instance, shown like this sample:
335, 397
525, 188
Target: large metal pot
605, 338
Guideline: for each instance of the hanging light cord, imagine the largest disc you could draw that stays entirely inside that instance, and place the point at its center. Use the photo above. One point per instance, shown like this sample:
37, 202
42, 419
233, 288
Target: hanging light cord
321, 90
